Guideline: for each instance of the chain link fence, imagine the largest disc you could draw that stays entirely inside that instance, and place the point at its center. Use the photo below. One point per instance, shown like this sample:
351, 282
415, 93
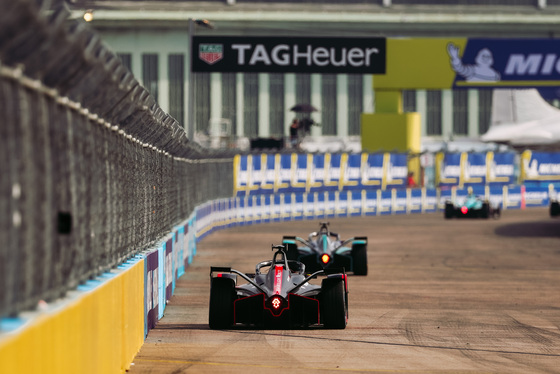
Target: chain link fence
92, 171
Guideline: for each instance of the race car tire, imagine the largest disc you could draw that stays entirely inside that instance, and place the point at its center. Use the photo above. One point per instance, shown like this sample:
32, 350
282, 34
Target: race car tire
292, 251
334, 304
359, 259
485, 210
222, 296
554, 209
497, 213
449, 211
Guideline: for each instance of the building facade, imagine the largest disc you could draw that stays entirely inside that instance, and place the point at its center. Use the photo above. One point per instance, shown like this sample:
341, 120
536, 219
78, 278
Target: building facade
152, 39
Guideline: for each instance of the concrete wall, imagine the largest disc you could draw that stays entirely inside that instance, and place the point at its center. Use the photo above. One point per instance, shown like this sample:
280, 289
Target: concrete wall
98, 329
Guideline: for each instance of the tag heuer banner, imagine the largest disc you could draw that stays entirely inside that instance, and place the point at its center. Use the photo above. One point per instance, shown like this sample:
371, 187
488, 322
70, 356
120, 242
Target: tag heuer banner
283, 54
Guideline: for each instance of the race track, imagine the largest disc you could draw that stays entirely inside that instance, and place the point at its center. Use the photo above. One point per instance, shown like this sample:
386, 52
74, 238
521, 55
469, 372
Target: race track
442, 296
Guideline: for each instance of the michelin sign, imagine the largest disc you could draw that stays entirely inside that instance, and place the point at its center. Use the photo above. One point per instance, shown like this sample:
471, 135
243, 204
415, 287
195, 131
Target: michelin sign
281, 55
443, 63
507, 62
540, 167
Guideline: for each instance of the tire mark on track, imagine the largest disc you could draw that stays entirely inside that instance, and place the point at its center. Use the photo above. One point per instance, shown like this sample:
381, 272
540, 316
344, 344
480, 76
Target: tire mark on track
403, 344
535, 334
419, 337
189, 364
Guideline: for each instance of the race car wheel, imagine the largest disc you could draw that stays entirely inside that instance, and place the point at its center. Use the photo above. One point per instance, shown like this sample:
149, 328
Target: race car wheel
554, 209
485, 210
222, 295
449, 211
334, 307
292, 251
359, 259
496, 213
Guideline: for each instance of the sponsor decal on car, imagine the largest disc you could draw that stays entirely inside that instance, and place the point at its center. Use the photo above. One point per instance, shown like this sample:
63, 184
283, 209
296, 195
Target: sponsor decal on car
278, 279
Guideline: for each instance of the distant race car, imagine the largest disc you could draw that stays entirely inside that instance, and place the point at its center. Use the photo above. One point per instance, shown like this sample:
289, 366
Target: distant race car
324, 249
472, 207
278, 295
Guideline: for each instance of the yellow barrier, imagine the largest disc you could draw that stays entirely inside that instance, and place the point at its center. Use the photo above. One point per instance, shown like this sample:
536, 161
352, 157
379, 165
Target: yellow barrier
97, 331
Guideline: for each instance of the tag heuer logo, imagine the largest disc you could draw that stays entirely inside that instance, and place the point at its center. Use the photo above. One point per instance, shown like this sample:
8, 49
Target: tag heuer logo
210, 53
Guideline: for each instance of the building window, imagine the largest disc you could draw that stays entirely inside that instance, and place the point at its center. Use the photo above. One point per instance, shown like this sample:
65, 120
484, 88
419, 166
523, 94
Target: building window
251, 104
355, 103
460, 112
201, 107
277, 109
328, 104
150, 73
126, 60
409, 101
229, 99
433, 112
303, 88
303, 91
176, 87
485, 110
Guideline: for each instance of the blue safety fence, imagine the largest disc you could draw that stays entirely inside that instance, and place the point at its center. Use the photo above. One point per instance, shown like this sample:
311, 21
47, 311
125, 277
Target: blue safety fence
286, 173
293, 206
163, 265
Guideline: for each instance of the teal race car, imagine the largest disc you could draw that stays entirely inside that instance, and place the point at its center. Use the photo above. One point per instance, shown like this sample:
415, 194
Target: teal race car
325, 249
472, 207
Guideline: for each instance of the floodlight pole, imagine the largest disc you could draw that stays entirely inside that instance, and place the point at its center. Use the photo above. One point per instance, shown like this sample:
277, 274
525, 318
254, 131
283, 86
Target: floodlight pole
189, 120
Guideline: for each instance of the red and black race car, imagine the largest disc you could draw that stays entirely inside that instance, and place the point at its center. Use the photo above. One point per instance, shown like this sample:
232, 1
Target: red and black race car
278, 295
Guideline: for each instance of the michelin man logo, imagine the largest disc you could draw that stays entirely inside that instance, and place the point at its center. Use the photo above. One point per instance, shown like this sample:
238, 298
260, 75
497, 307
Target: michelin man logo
531, 170
481, 71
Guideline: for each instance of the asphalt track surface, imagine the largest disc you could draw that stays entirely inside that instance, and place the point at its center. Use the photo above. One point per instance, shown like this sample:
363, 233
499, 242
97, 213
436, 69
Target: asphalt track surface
441, 296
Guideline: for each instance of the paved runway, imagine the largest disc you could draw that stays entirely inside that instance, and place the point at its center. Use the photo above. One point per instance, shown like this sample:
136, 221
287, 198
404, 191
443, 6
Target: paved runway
442, 296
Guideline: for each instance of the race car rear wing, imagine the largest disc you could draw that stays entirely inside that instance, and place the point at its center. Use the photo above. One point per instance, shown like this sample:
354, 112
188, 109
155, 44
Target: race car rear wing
219, 269
294, 239
327, 272
355, 240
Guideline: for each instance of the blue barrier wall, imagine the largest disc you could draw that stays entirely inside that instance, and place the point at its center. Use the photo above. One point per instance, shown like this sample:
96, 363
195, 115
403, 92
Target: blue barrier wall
253, 209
